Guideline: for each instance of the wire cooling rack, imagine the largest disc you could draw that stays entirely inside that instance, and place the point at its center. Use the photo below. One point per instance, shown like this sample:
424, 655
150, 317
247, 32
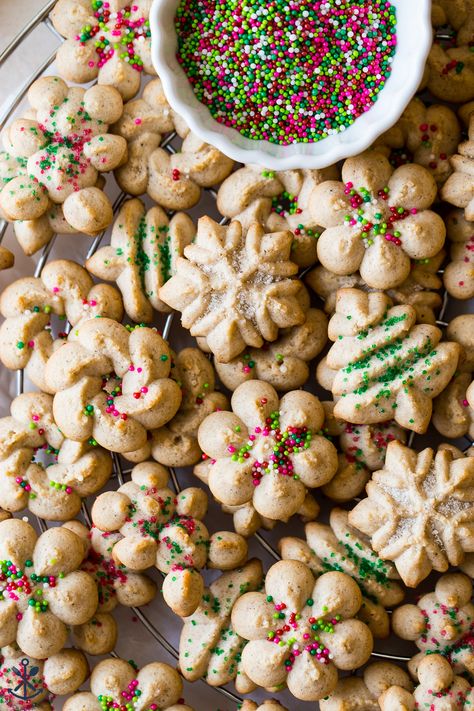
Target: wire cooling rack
152, 632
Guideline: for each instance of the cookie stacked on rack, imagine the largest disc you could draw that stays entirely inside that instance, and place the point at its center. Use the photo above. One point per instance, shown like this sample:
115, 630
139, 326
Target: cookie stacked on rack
316, 342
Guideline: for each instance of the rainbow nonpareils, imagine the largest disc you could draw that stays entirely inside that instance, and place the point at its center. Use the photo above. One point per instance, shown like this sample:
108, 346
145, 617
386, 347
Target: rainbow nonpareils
286, 71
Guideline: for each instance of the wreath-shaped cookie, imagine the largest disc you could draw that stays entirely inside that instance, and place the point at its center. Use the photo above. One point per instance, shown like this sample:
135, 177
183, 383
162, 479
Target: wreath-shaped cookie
107, 41
158, 528
54, 492
234, 287
66, 291
111, 384
341, 547
55, 156
382, 365
279, 201
173, 181
116, 684
300, 632
459, 273
377, 219
459, 187
267, 452
42, 587
419, 511
142, 254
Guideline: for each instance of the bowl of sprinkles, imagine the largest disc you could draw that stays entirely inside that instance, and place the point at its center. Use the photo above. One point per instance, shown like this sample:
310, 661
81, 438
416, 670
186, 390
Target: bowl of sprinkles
290, 83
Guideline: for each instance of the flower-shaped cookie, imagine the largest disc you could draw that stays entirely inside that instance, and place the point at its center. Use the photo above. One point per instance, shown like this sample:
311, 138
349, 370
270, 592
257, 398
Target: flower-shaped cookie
459, 187
107, 41
111, 385
209, 647
354, 693
56, 157
173, 181
53, 492
442, 622
382, 365
418, 290
176, 444
459, 274
268, 705
234, 287
426, 135
162, 529
419, 511
450, 64
142, 255
341, 547
42, 588
60, 674
278, 200
377, 219
116, 684
283, 363
300, 631
66, 291
267, 451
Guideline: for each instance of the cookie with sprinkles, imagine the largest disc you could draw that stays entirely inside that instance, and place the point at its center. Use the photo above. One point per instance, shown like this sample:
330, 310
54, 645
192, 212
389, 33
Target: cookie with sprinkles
382, 365
107, 41
42, 471
36, 309
277, 199
56, 156
441, 623
142, 254
42, 588
419, 511
111, 384
459, 188
458, 276
301, 632
117, 684
377, 219
339, 546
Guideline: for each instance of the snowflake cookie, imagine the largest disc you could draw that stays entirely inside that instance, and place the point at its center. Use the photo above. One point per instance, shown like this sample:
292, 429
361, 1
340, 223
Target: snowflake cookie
116, 684
235, 287
300, 631
267, 451
54, 158
283, 363
156, 527
42, 588
459, 274
142, 254
107, 41
176, 443
353, 693
426, 135
419, 511
442, 622
173, 181
459, 187
382, 365
66, 291
28, 683
279, 201
53, 492
341, 547
376, 220
209, 647
111, 384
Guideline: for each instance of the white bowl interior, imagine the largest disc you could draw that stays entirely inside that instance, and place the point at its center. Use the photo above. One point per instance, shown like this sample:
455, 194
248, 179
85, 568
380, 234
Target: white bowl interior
414, 36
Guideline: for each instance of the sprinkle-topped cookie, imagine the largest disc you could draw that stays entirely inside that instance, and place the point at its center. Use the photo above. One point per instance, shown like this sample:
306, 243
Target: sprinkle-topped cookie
286, 72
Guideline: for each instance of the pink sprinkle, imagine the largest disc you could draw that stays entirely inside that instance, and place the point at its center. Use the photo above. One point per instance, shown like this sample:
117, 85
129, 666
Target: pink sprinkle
138, 121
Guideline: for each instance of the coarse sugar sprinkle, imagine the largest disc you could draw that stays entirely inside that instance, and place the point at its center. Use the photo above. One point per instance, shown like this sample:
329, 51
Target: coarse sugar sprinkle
286, 71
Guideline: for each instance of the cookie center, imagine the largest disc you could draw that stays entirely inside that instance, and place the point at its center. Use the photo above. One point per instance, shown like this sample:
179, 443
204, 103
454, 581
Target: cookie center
24, 586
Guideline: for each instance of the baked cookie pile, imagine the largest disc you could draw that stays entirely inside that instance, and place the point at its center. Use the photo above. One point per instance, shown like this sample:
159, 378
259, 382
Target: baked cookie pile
315, 346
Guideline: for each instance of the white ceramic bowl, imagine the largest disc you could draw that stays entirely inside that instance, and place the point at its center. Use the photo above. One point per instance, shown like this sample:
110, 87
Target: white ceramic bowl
414, 35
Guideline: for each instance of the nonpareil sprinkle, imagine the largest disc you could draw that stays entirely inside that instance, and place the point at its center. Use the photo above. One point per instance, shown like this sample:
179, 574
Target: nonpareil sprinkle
286, 71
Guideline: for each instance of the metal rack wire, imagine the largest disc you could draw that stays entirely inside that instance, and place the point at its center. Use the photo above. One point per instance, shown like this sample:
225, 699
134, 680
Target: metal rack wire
42, 18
